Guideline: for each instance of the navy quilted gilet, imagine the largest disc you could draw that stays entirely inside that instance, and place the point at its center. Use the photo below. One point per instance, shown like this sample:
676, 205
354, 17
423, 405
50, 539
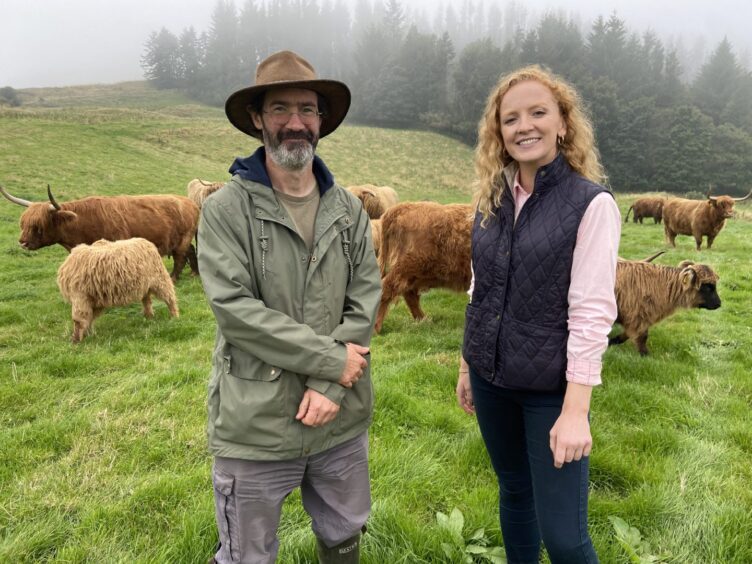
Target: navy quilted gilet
516, 324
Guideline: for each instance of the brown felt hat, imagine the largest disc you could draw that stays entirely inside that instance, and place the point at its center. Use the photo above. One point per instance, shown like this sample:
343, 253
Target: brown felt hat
286, 69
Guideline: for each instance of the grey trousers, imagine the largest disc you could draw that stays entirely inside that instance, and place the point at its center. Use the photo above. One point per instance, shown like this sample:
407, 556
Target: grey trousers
248, 497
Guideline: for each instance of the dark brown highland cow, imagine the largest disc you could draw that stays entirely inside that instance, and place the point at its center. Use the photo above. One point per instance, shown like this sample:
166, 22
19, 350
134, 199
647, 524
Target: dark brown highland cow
169, 222
649, 206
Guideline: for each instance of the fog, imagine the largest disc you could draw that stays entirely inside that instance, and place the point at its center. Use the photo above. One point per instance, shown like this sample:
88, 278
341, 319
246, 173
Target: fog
67, 42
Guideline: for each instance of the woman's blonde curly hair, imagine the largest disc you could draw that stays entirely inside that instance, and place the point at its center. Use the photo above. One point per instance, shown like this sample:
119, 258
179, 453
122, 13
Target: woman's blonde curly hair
578, 145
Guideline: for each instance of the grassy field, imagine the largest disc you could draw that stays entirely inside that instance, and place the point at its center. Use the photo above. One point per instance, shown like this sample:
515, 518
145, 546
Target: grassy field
103, 444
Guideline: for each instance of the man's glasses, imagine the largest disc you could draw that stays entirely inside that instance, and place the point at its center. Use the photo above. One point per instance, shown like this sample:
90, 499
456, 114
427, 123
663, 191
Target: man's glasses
281, 114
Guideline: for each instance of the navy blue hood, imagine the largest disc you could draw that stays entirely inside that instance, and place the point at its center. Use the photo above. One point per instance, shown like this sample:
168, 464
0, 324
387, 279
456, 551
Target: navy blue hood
253, 168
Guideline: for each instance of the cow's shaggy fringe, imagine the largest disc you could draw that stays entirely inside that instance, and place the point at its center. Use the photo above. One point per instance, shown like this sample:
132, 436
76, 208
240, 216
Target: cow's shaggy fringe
423, 245
376, 199
113, 273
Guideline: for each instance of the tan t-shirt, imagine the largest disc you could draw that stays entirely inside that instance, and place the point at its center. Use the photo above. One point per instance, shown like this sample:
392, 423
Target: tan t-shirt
302, 210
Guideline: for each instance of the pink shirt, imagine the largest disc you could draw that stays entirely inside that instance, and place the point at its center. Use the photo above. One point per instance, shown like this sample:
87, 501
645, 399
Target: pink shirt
592, 302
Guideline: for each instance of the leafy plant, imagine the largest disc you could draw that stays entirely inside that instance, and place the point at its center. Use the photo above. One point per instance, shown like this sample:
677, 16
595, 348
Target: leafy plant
463, 549
630, 538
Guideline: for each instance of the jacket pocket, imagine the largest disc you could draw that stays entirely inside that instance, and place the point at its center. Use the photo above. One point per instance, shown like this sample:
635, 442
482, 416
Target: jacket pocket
534, 357
252, 401
479, 342
248, 367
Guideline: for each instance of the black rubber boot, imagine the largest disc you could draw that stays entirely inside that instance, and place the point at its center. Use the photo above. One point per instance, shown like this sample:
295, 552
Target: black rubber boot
346, 552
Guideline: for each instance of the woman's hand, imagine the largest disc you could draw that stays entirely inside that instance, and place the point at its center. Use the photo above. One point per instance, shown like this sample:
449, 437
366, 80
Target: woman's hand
464, 393
570, 437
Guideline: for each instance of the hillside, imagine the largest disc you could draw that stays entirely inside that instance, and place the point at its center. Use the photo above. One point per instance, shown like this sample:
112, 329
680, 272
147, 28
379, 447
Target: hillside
104, 455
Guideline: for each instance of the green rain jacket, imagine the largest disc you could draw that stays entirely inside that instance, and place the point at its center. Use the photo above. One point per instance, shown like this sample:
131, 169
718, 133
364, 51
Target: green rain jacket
283, 314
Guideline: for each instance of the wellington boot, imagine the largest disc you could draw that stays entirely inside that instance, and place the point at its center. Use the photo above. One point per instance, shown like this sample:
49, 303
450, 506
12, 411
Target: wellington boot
346, 552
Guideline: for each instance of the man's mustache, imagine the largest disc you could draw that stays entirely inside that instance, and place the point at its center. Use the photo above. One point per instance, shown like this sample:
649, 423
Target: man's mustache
302, 135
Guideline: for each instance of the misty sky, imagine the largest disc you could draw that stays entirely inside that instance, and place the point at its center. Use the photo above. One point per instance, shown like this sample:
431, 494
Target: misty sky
65, 42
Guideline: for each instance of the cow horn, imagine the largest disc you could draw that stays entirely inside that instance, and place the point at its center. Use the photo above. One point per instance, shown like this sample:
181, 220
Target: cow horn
710, 189
52, 199
744, 198
656, 255
19, 201
204, 183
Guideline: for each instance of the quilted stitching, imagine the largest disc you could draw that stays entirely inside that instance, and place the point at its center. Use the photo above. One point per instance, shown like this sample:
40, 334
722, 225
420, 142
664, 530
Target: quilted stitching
516, 324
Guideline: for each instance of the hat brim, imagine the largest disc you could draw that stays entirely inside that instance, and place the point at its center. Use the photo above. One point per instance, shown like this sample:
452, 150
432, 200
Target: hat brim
337, 96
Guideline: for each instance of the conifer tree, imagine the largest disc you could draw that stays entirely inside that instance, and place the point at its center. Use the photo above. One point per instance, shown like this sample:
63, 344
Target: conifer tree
717, 81
161, 60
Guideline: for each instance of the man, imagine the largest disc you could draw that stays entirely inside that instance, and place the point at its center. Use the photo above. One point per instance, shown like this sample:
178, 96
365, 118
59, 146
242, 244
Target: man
288, 267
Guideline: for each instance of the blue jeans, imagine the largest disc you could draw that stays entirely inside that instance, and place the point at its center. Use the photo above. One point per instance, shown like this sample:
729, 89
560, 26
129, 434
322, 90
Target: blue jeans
536, 500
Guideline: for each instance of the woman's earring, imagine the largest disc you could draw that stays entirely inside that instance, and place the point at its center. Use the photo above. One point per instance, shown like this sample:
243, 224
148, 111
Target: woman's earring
560, 140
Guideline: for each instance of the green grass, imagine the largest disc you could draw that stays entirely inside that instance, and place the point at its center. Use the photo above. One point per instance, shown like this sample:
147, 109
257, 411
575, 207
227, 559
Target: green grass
103, 444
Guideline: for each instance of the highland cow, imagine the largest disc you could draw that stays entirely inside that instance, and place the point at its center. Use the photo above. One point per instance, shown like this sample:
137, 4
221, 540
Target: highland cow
113, 273
648, 293
170, 222
423, 245
697, 217
198, 190
376, 199
650, 206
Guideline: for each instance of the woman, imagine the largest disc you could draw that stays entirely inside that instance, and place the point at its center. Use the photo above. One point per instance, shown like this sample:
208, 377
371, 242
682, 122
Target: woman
544, 249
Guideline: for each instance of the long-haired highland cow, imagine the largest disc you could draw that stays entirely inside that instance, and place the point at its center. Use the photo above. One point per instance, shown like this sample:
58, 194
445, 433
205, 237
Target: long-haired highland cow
113, 273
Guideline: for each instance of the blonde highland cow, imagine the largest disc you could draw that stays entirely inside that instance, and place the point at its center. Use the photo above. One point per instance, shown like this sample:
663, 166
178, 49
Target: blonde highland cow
376, 199
113, 273
198, 190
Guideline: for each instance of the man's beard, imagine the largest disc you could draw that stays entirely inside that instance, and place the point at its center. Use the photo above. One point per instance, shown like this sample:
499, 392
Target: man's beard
292, 156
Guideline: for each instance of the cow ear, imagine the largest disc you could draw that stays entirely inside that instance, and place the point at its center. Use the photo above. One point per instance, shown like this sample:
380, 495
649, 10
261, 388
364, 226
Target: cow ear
64, 216
688, 277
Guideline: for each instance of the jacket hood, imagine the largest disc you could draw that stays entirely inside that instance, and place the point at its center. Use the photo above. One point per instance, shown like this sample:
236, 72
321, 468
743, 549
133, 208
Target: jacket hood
253, 168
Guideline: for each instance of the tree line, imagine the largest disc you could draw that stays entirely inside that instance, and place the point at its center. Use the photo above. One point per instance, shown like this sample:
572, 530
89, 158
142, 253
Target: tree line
656, 128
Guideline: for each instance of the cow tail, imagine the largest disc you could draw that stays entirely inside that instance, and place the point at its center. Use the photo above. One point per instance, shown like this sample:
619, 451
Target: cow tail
626, 219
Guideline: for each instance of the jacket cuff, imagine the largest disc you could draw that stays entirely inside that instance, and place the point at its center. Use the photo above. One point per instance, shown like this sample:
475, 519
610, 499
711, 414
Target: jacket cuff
332, 391
583, 371
333, 364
